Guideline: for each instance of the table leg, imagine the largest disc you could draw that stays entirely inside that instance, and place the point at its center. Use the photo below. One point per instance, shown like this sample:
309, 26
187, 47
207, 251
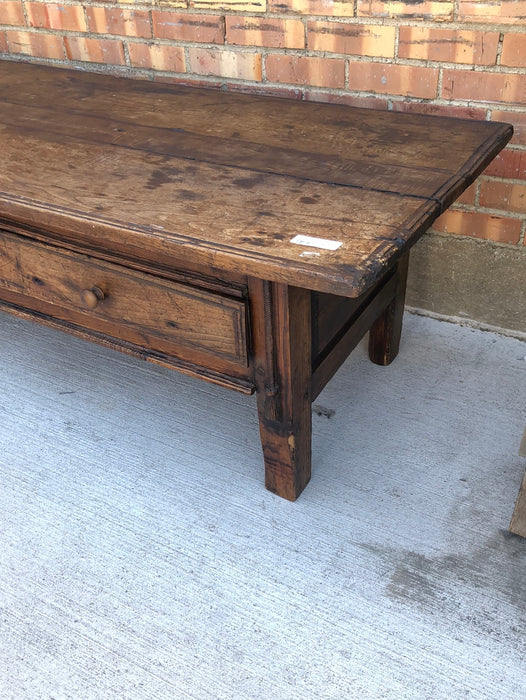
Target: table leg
384, 335
518, 520
281, 321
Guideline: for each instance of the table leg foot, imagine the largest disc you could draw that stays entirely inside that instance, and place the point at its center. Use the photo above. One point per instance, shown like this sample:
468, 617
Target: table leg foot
384, 335
282, 369
287, 460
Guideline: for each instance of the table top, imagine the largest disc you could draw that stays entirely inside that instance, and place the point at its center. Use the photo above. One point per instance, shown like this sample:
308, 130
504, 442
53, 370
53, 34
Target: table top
316, 195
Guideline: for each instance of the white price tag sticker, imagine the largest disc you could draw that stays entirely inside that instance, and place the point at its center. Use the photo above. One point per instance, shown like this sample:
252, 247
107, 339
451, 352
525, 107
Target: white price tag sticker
314, 242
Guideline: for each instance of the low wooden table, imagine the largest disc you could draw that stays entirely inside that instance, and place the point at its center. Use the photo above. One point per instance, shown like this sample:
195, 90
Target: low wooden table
246, 240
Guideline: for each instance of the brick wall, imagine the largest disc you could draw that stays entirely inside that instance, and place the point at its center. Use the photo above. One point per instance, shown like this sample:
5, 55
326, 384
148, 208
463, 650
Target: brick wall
458, 57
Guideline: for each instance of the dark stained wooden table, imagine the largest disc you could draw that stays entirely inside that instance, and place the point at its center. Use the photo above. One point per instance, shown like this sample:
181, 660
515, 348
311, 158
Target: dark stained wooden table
246, 240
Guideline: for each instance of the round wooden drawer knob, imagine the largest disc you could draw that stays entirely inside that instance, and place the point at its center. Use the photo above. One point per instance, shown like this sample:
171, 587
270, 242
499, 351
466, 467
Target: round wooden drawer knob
91, 297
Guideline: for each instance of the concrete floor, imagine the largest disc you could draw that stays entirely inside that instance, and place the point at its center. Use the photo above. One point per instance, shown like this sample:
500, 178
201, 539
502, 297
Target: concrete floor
141, 556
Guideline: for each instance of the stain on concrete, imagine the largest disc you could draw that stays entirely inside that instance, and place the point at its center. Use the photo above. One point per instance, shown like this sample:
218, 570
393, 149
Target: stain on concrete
495, 572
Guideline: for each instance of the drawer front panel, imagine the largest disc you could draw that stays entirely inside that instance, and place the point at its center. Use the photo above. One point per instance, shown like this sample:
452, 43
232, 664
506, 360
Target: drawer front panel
176, 319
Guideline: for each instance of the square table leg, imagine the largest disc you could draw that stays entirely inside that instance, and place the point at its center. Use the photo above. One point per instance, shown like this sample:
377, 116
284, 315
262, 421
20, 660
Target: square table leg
518, 520
384, 335
281, 323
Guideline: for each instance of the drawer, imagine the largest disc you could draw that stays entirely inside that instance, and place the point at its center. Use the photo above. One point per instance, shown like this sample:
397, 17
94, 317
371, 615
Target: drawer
181, 321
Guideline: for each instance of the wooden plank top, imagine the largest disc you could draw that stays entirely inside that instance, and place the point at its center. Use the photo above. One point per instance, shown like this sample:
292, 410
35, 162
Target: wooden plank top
178, 175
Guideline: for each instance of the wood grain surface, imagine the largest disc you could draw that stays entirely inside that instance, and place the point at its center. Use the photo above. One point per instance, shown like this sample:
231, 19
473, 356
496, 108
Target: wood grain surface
199, 177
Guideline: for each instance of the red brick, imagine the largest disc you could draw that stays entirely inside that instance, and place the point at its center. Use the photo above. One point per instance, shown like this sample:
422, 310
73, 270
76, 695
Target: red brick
514, 50
11, 13
518, 119
3, 43
365, 101
265, 31
33, 44
493, 11
448, 45
469, 195
480, 225
227, 5
483, 86
113, 20
458, 111
508, 196
55, 16
509, 163
171, 4
157, 56
208, 29
225, 64
94, 50
327, 8
358, 39
393, 79
438, 10
306, 70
